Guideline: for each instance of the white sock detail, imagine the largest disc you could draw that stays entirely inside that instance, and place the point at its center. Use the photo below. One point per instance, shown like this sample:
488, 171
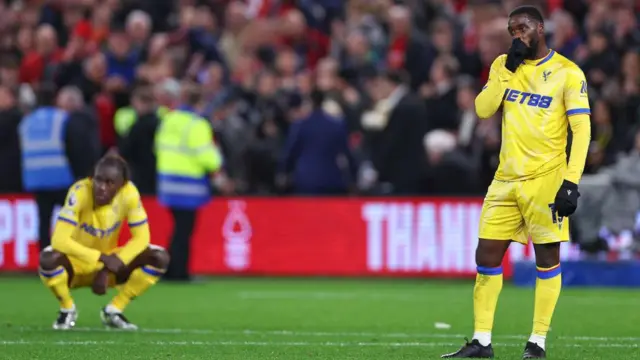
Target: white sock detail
484, 338
538, 339
110, 309
73, 308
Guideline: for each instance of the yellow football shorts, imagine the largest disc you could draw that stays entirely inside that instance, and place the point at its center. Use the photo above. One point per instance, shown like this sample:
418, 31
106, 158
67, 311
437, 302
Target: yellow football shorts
84, 273
518, 210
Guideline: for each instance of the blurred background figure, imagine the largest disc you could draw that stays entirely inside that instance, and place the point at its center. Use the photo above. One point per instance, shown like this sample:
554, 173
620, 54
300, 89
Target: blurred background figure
58, 143
317, 158
394, 133
186, 161
138, 145
10, 117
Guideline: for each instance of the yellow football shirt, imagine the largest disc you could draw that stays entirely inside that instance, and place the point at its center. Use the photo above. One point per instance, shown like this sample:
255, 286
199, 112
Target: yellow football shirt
85, 231
538, 100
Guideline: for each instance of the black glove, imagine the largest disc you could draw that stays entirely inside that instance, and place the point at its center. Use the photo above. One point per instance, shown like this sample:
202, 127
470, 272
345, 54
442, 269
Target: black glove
516, 55
567, 199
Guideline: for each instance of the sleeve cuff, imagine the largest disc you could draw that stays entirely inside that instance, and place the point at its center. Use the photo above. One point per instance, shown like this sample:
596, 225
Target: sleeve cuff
580, 111
137, 223
68, 221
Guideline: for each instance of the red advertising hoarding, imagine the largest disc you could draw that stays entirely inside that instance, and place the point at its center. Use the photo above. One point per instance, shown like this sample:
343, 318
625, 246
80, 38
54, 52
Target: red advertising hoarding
431, 237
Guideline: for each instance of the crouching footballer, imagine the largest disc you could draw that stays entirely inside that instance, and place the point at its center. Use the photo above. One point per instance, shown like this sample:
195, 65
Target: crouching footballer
84, 246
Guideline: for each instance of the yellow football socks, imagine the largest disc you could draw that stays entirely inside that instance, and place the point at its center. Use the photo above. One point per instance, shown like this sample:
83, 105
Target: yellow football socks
58, 281
485, 299
140, 280
548, 286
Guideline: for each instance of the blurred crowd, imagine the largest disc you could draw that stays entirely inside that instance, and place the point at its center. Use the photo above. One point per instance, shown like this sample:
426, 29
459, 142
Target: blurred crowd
309, 96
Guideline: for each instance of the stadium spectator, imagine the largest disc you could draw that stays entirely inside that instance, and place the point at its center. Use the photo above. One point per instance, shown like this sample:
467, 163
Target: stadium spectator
394, 133
317, 158
137, 147
10, 117
408, 48
441, 93
450, 170
39, 63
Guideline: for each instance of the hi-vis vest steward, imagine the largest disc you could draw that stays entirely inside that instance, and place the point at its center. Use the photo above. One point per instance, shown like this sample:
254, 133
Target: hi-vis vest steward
44, 161
186, 156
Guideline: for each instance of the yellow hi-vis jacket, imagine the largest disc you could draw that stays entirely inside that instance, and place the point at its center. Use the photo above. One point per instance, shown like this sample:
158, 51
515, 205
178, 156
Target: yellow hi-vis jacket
186, 156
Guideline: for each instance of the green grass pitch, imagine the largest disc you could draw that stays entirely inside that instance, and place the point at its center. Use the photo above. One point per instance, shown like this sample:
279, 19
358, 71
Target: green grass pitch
285, 319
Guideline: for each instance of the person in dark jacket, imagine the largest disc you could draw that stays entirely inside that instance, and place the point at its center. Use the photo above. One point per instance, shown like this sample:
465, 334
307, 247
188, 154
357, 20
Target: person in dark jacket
395, 143
316, 148
10, 117
138, 146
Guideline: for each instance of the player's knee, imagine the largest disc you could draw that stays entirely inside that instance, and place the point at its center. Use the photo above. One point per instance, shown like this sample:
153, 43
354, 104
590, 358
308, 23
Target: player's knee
547, 255
50, 260
490, 253
159, 258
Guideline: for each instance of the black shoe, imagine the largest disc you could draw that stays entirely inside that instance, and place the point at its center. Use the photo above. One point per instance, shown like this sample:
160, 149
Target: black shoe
533, 351
473, 350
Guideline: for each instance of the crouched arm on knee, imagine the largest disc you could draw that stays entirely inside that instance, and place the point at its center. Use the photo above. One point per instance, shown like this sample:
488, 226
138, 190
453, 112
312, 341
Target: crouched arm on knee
62, 241
140, 239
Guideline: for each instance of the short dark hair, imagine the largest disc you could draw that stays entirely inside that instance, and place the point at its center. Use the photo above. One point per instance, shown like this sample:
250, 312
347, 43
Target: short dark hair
531, 11
117, 161
143, 94
46, 94
191, 93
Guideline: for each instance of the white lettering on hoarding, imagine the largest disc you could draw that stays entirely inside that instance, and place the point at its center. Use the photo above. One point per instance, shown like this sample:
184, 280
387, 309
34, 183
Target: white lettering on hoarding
18, 225
430, 236
374, 214
26, 230
421, 237
400, 237
6, 227
426, 252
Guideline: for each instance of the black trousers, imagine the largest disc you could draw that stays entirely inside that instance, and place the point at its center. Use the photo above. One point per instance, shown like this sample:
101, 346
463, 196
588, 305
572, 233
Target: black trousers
47, 201
180, 247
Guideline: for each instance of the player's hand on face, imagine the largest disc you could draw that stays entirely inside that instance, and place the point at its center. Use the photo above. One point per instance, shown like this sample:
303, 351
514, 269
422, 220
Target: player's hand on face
100, 282
516, 55
566, 201
112, 263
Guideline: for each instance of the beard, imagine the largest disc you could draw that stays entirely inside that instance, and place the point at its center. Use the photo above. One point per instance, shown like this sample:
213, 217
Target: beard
532, 49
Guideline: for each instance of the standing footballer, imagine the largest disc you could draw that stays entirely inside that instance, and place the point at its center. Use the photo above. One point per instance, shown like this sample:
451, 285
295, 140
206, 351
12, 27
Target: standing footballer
534, 188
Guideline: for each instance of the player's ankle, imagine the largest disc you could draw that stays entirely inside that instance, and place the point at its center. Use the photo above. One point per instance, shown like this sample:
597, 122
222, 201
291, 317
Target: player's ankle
484, 338
539, 340
67, 309
112, 309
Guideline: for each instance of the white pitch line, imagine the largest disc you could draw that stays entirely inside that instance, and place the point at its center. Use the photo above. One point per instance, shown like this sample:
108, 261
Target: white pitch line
344, 295
443, 335
286, 343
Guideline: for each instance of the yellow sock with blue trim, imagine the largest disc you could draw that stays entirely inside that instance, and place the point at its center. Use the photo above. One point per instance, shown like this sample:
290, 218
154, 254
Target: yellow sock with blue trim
548, 286
485, 300
139, 281
57, 280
